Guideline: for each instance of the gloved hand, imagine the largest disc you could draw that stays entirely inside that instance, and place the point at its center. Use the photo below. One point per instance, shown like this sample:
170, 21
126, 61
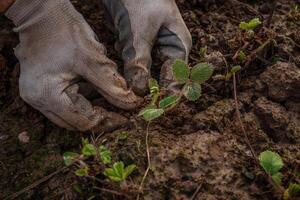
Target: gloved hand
57, 48
141, 24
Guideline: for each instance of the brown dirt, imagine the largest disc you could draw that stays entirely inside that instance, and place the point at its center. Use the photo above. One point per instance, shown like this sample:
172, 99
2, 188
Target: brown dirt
197, 145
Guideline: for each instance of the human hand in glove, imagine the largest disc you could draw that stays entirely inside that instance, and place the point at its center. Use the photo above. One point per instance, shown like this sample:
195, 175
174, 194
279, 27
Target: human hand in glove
141, 24
57, 48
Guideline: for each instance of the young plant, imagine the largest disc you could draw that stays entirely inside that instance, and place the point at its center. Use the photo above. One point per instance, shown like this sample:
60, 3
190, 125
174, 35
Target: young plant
100, 154
118, 172
190, 79
272, 163
250, 25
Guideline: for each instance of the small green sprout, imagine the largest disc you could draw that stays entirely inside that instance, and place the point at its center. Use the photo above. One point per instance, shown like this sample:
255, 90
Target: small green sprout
233, 71
69, 157
105, 154
272, 163
82, 171
251, 25
89, 150
119, 172
241, 56
292, 191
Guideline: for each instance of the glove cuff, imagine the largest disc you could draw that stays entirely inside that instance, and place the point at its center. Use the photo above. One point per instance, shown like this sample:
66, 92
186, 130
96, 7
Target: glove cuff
42, 15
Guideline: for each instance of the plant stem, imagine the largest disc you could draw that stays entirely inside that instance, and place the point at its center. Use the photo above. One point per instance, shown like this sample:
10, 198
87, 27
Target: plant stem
149, 161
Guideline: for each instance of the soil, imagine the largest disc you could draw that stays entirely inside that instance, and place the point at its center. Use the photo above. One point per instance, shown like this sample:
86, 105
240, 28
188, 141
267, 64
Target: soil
198, 150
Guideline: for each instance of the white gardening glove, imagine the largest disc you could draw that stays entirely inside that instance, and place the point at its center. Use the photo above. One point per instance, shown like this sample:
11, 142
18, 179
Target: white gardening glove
141, 24
57, 48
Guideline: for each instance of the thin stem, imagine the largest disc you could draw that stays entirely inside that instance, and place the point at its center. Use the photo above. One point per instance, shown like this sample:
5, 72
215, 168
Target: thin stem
149, 161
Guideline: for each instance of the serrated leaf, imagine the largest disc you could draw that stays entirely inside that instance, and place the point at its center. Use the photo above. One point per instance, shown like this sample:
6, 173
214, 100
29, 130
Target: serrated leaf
168, 101
294, 190
118, 168
235, 69
152, 114
192, 91
118, 172
89, 150
128, 170
251, 25
202, 72
69, 157
105, 154
181, 71
277, 178
82, 171
271, 162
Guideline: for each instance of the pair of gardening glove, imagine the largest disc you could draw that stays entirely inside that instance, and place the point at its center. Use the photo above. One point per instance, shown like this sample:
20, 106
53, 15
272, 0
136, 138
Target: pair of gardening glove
58, 49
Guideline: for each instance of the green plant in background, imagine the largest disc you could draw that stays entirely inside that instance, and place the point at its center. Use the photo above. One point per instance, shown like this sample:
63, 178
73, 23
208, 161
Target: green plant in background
100, 154
272, 163
250, 25
190, 79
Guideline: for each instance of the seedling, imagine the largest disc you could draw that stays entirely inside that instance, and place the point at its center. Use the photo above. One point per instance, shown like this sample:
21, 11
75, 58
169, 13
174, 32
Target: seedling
100, 154
272, 163
119, 172
251, 25
190, 79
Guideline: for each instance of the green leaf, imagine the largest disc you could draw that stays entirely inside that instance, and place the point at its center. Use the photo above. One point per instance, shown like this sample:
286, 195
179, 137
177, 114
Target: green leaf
202, 72
105, 154
251, 25
128, 170
242, 56
82, 171
293, 190
111, 174
168, 101
152, 114
192, 91
271, 162
69, 157
181, 71
235, 69
277, 178
89, 150
148, 107
118, 168
115, 173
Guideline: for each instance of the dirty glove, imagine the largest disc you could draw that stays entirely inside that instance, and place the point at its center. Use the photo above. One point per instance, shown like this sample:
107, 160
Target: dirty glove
57, 48
141, 24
